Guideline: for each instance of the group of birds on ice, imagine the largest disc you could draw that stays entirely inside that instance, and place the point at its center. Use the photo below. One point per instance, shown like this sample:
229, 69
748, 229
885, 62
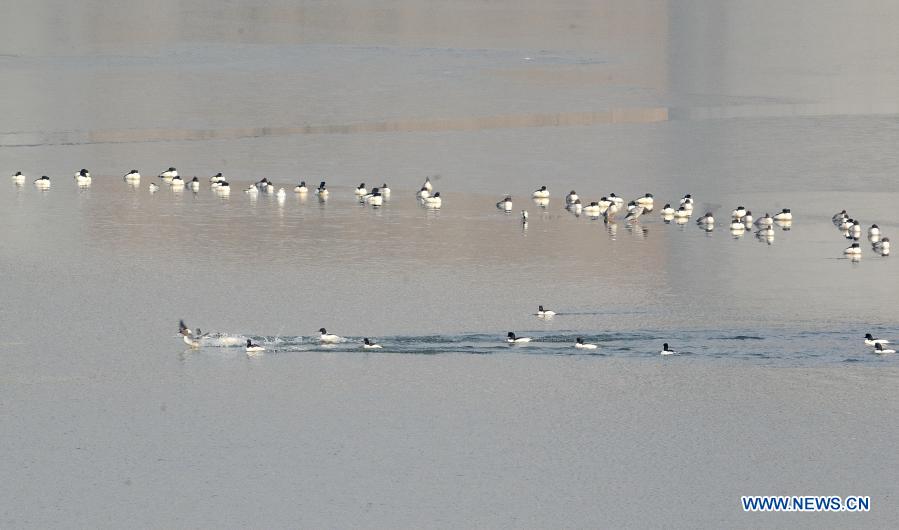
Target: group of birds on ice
610, 206
375, 197
607, 207
852, 230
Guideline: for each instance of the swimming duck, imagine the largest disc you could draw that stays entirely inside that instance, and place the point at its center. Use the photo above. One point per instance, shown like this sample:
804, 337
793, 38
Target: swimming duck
154, 187
434, 201
224, 188
169, 173
646, 201
83, 178
505, 204
360, 190
18, 178
610, 212
682, 213
879, 349
570, 198
195, 184
301, 187
327, 338
576, 207
666, 350
737, 225
132, 176
839, 217
369, 345
424, 193
187, 335
883, 246
580, 344
784, 215
376, 199
216, 178
541, 193
254, 348
854, 249
322, 191
767, 220
738, 213
706, 219
874, 231
176, 182
43, 182
871, 341
634, 214
747, 220
512, 339
542, 313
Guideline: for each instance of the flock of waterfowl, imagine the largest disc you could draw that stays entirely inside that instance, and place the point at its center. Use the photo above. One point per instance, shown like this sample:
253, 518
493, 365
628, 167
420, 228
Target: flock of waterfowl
608, 207
852, 230
194, 338
375, 197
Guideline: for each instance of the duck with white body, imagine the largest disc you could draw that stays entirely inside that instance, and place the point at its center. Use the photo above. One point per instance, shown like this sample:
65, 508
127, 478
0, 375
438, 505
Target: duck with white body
169, 174
666, 350
511, 338
83, 178
581, 345
42, 183
784, 215
327, 338
367, 344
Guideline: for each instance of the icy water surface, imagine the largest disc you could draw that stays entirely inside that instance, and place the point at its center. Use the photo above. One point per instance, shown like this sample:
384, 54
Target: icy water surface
451, 280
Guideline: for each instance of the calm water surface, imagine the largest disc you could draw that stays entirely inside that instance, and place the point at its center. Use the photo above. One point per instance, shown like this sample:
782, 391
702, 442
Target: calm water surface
109, 420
